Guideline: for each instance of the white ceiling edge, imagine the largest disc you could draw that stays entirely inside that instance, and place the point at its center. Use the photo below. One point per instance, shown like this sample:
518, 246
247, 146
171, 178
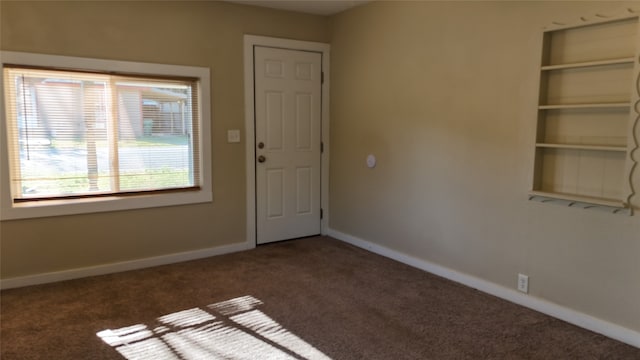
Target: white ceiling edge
316, 7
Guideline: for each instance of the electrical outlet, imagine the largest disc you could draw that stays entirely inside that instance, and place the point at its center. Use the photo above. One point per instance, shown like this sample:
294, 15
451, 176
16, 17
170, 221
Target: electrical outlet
523, 283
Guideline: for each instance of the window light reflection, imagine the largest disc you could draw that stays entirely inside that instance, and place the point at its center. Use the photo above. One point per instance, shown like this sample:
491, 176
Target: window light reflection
232, 329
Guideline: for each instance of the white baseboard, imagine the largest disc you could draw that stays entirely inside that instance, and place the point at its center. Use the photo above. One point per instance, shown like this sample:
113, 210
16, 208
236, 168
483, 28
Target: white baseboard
582, 320
121, 266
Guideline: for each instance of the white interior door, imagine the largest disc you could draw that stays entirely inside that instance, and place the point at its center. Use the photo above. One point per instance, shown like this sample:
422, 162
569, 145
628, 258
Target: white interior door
288, 143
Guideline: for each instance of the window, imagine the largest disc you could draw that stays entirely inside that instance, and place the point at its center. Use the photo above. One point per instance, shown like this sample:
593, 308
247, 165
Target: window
91, 132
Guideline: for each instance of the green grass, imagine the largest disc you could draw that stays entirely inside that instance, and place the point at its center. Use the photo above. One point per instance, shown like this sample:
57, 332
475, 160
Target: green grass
143, 141
79, 183
156, 141
155, 179
51, 178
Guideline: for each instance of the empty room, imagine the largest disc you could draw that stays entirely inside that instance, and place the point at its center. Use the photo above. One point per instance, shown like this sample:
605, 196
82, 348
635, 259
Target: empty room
319, 179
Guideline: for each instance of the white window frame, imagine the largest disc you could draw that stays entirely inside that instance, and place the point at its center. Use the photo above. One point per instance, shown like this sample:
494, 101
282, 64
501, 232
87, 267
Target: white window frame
10, 210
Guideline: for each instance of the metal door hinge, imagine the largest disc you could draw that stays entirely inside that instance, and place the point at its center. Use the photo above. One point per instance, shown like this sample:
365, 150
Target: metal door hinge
321, 213
322, 77
321, 147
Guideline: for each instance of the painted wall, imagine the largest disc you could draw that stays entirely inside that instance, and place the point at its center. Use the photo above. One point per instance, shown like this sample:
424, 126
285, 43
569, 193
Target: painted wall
195, 33
444, 94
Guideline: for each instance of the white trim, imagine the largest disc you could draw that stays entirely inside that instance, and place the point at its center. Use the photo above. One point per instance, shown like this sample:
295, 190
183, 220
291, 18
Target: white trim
249, 42
9, 210
120, 266
582, 320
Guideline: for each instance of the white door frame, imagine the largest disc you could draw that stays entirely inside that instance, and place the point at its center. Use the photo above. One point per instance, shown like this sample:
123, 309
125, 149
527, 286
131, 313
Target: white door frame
249, 125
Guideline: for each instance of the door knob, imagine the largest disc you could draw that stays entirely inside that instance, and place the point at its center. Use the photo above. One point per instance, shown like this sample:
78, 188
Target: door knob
262, 159
260, 145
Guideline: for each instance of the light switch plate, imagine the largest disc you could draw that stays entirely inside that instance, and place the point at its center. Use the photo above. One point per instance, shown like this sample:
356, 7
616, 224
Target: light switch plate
233, 136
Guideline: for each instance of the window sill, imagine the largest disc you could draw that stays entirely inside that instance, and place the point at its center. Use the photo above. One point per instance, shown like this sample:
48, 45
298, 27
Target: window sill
48, 208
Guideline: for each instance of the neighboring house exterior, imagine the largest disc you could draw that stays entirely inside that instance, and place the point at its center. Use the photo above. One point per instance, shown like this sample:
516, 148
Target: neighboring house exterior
50, 110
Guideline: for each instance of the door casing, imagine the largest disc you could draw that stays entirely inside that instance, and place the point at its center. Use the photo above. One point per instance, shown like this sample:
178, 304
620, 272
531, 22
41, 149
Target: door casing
250, 41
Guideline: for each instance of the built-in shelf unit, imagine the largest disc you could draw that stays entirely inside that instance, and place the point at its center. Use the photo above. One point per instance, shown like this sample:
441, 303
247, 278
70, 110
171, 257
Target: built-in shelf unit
588, 112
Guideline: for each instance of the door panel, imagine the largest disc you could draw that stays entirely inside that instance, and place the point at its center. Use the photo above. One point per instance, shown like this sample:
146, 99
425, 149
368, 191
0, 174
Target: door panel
275, 193
275, 121
304, 107
303, 190
288, 125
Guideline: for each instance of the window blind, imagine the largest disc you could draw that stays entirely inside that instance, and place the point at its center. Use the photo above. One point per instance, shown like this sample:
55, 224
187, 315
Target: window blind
82, 134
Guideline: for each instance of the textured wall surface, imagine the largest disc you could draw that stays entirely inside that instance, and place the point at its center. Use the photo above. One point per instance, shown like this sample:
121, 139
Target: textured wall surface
198, 33
445, 95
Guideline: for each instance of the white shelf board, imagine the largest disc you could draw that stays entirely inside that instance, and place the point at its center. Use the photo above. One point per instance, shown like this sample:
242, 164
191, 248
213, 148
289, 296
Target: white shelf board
582, 147
629, 60
580, 198
585, 106
584, 22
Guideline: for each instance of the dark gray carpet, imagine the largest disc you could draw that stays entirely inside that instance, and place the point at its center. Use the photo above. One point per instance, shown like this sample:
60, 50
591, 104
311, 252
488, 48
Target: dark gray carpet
302, 299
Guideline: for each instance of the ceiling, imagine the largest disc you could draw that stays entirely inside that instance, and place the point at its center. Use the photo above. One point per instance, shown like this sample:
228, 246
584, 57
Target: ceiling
317, 7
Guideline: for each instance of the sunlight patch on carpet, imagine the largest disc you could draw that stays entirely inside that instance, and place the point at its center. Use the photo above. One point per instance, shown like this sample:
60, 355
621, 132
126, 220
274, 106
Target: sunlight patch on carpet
232, 329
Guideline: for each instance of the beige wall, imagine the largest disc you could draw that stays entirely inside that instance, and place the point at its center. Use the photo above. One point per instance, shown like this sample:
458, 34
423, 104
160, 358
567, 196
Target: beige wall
196, 33
444, 94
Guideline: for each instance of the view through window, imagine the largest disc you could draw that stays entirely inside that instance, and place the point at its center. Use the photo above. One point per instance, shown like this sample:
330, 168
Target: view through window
82, 134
